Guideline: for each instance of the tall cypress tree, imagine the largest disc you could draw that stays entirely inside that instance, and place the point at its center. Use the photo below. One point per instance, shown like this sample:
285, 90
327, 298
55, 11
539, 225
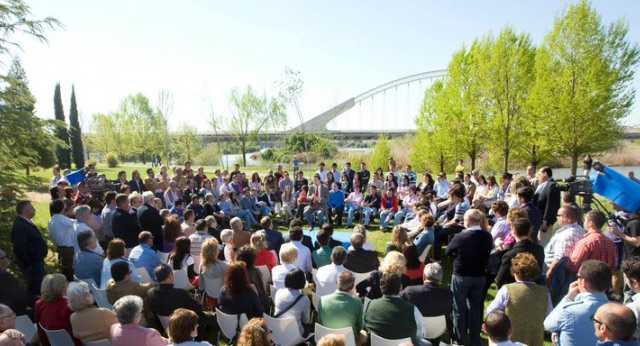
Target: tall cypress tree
75, 136
63, 153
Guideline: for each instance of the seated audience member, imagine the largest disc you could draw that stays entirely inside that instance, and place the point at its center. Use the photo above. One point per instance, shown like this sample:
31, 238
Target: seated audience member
415, 267
164, 299
303, 261
365, 245
328, 228
615, 325
183, 329
631, 270
211, 267
196, 239
429, 298
197, 208
248, 256
425, 233
237, 296
61, 233
332, 340
178, 209
326, 276
290, 302
393, 262
240, 236
116, 253
288, 256
360, 260
170, 233
212, 227
12, 294
121, 285
9, 336
306, 240
525, 302
82, 215
264, 257
188, 226
255, 333
521, 231
88, 322
180, 259
407, 321
52, 309
340, 309
594, 245
399, 239
143, 255
274, 238
500, 228
88, 264
498, 329
128, 331
228, 251
571, 317
322, 255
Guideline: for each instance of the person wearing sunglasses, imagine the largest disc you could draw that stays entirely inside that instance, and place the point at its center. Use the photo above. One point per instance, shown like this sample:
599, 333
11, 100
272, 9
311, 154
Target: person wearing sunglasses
614, 324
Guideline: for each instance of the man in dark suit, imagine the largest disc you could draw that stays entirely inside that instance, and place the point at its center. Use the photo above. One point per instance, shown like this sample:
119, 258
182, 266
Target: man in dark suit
521, 231
29, 246
525, 199
165, 299
429, 298
350, 174
136, 184
360, 260
125, 225
11, 293
150, 220
547, 198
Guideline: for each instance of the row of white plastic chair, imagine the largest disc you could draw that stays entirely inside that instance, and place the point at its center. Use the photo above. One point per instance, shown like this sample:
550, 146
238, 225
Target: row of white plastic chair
58, 337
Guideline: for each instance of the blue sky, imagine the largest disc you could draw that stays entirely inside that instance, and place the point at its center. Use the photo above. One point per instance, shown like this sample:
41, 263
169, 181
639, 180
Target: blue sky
199, 50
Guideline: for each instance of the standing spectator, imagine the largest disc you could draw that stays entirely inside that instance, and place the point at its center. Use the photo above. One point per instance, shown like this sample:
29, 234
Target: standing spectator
107, 215
470, 250
128, 331
588, 161
124, 224
614, 325
82, 214
143, 255
521, 231
88, 322
365, 175
300, 181
52, 309
565, 239
150, 220
631, 270
594, 245
430, 298
547, 197
571, 317
57, 177
525, 198
326, 276
61, 234
29, 246
630, 236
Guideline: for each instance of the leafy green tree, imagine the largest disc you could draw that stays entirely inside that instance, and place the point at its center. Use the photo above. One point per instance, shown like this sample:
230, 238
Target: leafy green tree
188, 143
75, 134
582, 89
143, 126
380, 154
63, 153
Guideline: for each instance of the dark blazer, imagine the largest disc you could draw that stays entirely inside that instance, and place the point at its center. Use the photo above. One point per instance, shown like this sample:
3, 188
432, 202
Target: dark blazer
247, 303
139, 186
29, 245
548, 201
362, 261
274, 240
15, 296
332, 243
265, 198
373, 284
430, 299
504, 273
126, 227
150, 220
535, 218
165, 299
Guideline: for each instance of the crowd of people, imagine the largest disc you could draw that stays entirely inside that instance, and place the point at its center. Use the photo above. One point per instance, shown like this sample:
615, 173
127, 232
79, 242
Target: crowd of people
154, 245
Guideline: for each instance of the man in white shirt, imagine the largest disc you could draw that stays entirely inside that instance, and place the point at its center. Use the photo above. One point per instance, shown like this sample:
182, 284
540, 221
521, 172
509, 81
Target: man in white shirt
323, 173
441, 187
304, 254
565, 238
57, 177
326, 277
61, 233
336, 173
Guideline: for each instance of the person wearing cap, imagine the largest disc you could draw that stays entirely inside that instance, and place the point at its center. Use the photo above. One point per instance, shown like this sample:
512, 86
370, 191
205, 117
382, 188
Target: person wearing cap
143, 255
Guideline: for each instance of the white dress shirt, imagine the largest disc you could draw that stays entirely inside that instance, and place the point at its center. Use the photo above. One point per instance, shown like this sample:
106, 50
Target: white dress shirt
304, 255
61, 230
326, 278
279, 272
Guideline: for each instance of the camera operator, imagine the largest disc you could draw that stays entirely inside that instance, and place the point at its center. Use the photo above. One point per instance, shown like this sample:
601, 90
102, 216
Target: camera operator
630, 236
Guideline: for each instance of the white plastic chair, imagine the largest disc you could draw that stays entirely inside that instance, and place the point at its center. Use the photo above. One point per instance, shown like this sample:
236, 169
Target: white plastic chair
144, 274
88, 281
164, 320
58, 337
347, 332
423, 255
28, 328
275, 254
359, 277
434, 326
164, 256
181, 280
229, 323
380, 341
272, 291
103, 342
285, 331
266, 276
212, 287
315, 300
100, 297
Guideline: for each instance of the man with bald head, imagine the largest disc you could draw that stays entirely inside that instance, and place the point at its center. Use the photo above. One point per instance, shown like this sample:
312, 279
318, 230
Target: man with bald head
360, 260
565, 238
614, 324
470, 250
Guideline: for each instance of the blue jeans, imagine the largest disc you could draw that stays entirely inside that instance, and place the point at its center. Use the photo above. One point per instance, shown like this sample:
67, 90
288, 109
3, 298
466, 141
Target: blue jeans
247, 216
367, 214
468, 302
264, 211
401, 215
385, 218
351, 209
310, 214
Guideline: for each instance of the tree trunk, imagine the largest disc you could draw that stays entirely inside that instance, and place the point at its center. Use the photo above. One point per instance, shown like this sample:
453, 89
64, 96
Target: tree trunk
441, 162
505, 169
144, 159
574, 163
28, 170
244, 154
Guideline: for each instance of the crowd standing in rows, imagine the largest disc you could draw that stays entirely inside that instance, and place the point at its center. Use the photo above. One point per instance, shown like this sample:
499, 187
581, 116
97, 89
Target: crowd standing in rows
556, 269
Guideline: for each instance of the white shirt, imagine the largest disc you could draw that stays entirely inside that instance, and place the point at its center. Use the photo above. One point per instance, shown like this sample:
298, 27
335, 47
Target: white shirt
301, 311
326, 278
323, 175
81, 227
634, 305
304, 255
106, 271
279, 272
170, 198
562, 243
55, 180
61, 230
506, 343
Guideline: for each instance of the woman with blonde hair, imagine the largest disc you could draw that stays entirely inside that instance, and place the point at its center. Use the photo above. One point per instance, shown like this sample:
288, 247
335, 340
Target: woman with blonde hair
52, 309
264, 257
211, 267
255, 333
399, 239
393, 262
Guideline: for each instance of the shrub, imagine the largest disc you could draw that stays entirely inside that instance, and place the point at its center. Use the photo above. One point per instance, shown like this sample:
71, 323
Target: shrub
268, 154
112, 160
380, 154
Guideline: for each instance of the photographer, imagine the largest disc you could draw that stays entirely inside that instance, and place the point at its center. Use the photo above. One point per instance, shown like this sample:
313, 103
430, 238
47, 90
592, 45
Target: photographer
630, 236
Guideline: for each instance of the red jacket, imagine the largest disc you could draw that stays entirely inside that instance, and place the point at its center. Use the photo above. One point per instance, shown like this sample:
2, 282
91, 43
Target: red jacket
53, 316
394, 203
